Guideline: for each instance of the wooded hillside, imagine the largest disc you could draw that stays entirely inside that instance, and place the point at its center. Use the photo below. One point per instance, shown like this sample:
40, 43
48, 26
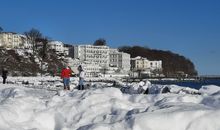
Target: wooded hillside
172, 63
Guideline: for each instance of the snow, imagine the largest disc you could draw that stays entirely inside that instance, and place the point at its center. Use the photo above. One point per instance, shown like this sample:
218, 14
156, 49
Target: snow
41, 104
210, 89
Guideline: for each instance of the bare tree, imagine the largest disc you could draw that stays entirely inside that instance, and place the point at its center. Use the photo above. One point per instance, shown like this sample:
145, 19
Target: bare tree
100, 42
42, 50
32, 36
44, 46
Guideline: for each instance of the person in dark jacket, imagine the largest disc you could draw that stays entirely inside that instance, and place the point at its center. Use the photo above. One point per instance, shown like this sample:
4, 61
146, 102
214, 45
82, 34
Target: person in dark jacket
4, 75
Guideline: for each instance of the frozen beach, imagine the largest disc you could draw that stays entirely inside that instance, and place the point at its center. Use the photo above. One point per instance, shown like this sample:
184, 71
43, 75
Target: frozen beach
41, 104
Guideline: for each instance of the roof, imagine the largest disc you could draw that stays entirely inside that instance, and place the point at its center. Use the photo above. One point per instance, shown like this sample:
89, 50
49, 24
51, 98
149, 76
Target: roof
139, 58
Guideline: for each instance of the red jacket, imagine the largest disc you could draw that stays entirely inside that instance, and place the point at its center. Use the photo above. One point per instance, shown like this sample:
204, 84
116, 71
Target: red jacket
65, 73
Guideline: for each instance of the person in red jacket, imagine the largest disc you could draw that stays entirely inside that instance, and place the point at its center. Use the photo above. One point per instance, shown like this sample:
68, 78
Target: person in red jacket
65, 75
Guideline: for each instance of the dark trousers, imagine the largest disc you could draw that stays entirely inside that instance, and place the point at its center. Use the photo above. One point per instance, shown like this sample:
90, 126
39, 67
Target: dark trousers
4, 80
80, 87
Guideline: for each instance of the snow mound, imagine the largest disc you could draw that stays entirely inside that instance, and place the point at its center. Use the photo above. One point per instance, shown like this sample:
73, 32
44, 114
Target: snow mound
100, 108
148, 88
209, 89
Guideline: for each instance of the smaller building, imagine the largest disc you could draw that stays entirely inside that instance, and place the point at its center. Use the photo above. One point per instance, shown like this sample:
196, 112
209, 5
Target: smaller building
59, 47
145, 66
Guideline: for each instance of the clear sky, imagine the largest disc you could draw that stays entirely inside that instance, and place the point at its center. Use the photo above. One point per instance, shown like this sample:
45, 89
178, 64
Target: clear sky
187, 27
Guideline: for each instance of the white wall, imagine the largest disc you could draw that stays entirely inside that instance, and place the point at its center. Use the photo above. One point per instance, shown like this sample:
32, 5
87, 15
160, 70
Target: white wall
57, 46
95, 54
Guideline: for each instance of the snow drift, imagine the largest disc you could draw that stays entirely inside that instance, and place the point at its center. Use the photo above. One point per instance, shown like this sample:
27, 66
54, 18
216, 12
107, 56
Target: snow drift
23, 108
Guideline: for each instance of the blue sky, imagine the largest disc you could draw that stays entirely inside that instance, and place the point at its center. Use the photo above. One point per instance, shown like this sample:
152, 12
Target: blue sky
187, 27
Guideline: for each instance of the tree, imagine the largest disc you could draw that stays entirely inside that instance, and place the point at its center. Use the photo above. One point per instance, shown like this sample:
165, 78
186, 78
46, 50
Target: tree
100, 42
32, 36
1, 29
43, 50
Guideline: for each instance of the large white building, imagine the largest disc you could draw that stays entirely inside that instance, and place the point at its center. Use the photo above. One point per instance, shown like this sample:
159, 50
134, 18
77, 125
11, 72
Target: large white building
91, 53
120, 60
12, 40
102, 59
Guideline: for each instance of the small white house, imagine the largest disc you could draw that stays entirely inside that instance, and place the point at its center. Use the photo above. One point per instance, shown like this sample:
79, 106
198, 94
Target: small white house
143, 66
57, 46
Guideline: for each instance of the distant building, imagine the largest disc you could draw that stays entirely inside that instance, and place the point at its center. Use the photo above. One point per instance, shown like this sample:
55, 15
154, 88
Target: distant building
145, 66
101, 59
120, 60
12, 40
59, 47
140, 63
91, 53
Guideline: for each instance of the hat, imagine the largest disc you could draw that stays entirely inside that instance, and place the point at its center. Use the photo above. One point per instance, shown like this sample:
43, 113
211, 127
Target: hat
80, 67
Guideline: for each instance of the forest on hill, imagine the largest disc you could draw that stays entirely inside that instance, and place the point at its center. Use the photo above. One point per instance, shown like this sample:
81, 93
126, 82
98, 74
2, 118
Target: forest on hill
172, 63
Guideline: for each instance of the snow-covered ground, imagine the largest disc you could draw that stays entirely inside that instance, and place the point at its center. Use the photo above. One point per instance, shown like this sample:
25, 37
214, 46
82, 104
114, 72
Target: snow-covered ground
30, 103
